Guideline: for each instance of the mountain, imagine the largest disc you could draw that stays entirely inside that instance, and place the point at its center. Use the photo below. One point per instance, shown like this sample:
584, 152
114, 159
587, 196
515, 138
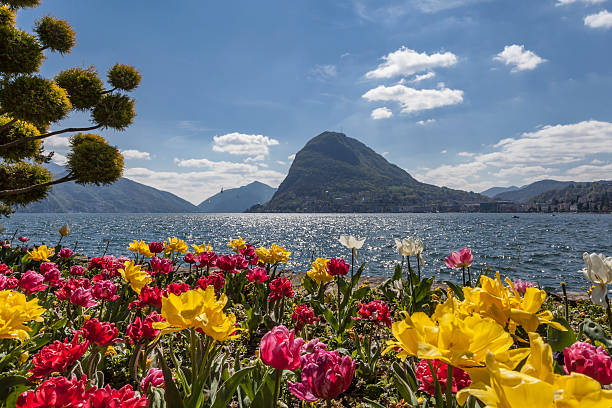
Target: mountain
238, 199
593, 197
493, 191
523, 194
123, 196
335, 173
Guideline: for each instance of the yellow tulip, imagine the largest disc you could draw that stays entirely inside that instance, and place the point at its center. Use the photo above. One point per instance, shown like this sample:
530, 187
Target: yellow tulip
198, 249
535, 383
236, 244
461, 341
175, 245
42, 253
141, 247
15, 310
273, 254
318, 271
506, 306
197, 309
134, 276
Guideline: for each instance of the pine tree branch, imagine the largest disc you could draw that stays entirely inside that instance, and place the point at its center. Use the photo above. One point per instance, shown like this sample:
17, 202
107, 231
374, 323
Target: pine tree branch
17, 191
57, 132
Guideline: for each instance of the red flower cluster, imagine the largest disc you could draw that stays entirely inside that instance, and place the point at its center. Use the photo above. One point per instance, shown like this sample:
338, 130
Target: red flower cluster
140, 330
8, 282
156, 247
216, 279
161, 265
461, 379
375, 311
337, 267
257, 274
32, 282
280, 288
69, 286
108, 264
57, 357
102, 334
149, 296
249, 253
303, 315
232, 263
105, 290
207, 260
59, 392
176, 288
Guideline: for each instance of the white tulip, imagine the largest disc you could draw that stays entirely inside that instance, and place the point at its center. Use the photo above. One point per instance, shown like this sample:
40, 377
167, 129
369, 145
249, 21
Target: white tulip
351, 242
599, 271
409, 246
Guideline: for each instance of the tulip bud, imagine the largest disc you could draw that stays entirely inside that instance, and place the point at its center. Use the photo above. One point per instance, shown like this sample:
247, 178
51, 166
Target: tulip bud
64, 231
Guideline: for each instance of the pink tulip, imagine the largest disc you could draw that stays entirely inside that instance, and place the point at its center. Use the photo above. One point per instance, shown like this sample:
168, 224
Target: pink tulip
77, 270
584, 358
280, 349
47, 266
54, 277
325, 375
23, 239
65, 253
32, 282
82, 297
161, 265
105, 290
8, 282
154, 378
521, 286
461, 259
156, 247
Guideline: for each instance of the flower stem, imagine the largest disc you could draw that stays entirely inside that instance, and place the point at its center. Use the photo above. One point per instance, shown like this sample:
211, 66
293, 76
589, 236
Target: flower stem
449, 386
563, 287
463, 274
609, 312
277, 386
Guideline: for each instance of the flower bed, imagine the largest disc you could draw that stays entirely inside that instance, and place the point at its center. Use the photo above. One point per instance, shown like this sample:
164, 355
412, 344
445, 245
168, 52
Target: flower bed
234, 331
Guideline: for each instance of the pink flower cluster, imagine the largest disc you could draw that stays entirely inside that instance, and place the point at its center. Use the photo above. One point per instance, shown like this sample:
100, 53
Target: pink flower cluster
461, 259
376, 311
461, 379
584, 358
521, 286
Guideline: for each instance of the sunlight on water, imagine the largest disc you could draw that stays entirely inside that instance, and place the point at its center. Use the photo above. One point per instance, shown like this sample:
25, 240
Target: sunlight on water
538, 247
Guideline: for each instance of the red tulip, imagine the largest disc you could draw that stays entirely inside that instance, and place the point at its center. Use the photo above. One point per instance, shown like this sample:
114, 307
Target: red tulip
375, 311
280, 288
82, 297
154, 378
105, 290
102, 334
280, 349
56, 392
57, 357
156, 247
65, 253
257, 274
108, 397
140, 330
303, 315
32, 282
337, 267
149, 296
461, 379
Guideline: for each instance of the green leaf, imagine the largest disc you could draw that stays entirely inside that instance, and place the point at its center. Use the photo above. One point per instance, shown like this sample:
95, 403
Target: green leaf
6, 383
172, 395
594, 331
558, 339
373, 404
310, 285
458, 290
224, 394
403, 386
329, 317
397, 275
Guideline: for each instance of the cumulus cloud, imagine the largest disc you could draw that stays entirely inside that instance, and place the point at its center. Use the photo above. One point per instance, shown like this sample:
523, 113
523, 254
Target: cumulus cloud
603, 19
444, 151
60, 143
381, 113
426, 122
243, 144
563, 152
423, 77
291, 157
135, 154
433, 6
465, 154
414, 100
59, 159
566, 2
405, 62
519, 58
323, 72
196, 186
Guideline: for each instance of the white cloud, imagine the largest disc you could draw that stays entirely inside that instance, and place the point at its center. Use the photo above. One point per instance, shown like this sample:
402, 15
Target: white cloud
243, 144
465, 154
426, 122
282, 163
444, 151
423, 77
566, 2
384, 154
521, 59
381, 113
258, 158
59, 159
135, 154
562, 152
324, 72
196, 186
291, 157
405, 61
414, 100
61, 143
603, 19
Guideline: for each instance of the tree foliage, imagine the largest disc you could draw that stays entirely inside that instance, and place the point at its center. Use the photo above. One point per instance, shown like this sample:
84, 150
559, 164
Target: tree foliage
31, 106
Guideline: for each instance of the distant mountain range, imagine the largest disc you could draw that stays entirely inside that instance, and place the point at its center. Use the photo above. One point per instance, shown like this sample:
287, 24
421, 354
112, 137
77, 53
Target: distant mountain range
523, 194
237, 199
493, 191
593, 197
335, 173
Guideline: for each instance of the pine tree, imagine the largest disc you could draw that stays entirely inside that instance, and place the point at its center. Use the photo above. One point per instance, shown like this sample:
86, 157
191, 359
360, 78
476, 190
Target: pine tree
30, 105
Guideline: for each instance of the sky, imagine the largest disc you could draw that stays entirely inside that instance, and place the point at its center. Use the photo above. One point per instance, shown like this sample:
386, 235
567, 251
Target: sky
467, 94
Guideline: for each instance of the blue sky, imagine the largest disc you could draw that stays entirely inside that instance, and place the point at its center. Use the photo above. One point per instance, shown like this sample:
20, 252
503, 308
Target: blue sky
464, 93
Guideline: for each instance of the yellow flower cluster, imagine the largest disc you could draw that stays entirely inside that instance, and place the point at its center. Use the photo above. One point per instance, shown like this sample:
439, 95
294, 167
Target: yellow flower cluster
273, 254
140, 247
136, 277
318, 271
461, 341
505, 305
15, 310
198, 249
197, 309
535, 384
236, 244
42, 253
175, 245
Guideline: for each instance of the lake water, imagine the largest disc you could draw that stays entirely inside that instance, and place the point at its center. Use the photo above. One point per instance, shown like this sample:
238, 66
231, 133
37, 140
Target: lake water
538, 247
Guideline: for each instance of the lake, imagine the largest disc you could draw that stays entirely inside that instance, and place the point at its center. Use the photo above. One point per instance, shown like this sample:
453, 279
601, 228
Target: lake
541, 247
